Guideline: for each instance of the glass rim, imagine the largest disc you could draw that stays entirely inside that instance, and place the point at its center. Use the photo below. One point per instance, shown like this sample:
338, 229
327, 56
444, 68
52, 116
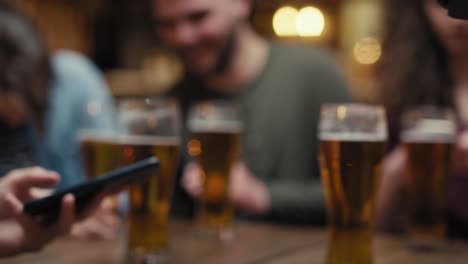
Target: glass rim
226, 101
380, 133
436, 108
148, 100
232, 123
121, 138
356, 105
428, 123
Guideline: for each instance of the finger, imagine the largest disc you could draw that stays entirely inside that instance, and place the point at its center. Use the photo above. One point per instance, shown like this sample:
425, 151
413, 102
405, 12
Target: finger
463, 141
195, 188
12, 206
236, 192
92, 207
33, 177
67, 215
237, 178
36, 236
192, 179
192, 168
101, 230
94, 229
240, 182
109, 219
36, 193
78, 231
102, 225
108, 203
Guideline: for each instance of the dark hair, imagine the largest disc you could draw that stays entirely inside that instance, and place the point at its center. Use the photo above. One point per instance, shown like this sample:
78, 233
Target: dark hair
414, 68
253, 10
24, 64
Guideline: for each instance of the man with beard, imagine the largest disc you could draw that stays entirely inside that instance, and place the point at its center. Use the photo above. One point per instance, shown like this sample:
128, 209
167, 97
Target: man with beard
280, 89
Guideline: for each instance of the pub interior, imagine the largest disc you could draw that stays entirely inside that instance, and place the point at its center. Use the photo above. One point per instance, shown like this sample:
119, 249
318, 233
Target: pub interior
286, 131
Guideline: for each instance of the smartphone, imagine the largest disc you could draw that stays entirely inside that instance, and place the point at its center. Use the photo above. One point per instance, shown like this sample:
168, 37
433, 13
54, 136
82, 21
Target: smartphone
46, 210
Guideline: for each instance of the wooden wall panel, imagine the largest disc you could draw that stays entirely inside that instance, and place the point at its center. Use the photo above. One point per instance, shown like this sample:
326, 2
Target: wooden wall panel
63, 23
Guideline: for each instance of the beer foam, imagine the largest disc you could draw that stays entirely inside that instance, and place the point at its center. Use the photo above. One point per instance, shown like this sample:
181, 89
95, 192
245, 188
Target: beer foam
149, 140
426, 138
96, 135
361, 137
430, 131
220, 126
130, 139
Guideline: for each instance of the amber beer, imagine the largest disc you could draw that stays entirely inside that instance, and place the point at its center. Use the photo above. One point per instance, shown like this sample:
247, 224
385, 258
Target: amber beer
150, 201
350, 169
216, 149
427, 168
100, 153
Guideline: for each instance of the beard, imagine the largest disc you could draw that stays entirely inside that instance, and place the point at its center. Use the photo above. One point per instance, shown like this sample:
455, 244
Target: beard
224, 53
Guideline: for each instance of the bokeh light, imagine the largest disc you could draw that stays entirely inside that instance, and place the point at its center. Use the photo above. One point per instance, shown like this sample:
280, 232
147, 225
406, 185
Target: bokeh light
284, 21
367, 51
310, 22
194, 148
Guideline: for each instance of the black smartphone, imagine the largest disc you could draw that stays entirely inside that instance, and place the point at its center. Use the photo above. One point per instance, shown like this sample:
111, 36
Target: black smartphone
46, 210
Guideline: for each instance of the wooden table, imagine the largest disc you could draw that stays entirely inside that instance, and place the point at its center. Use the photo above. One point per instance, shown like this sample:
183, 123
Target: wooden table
254, 243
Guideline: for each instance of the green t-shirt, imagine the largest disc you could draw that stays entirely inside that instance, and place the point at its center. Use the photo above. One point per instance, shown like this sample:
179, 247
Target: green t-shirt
280, 115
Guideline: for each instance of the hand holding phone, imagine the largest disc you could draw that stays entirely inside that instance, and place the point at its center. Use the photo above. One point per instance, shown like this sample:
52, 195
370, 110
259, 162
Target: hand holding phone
47, 209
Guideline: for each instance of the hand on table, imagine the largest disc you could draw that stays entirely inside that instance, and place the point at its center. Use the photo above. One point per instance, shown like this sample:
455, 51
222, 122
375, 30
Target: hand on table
391, 193
102, 224
246, 192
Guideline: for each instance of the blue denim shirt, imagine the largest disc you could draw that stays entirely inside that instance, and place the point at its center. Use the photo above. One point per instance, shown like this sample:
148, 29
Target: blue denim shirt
78, 99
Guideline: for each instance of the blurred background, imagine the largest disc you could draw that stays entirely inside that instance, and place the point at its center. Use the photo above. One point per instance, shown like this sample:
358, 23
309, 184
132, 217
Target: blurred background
118, 35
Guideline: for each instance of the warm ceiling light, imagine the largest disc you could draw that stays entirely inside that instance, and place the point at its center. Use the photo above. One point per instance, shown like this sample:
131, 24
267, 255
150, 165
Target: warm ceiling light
284, 21
310, 22
367, 51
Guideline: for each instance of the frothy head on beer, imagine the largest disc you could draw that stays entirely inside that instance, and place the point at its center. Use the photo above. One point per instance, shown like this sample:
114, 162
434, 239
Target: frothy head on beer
150, 116
428, 124
430, 130
215, 126
352, 122
128, 139
215, 116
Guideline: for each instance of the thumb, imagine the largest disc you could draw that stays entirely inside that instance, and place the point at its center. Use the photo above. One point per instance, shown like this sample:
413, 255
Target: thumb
12, 206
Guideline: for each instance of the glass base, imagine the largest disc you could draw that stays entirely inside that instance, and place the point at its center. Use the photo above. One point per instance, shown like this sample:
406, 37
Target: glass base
349, 246
140, 257
430, 238
426, 245
223, 234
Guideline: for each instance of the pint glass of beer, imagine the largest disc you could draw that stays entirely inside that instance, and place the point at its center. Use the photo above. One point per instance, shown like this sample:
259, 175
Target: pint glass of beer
150, 127
214, 144
352, 141
427, 134
99, 147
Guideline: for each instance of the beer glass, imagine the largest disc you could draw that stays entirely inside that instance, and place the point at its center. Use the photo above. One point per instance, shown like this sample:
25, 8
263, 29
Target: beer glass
352, 141
150, 127
98, 139
427, 134
214, 144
